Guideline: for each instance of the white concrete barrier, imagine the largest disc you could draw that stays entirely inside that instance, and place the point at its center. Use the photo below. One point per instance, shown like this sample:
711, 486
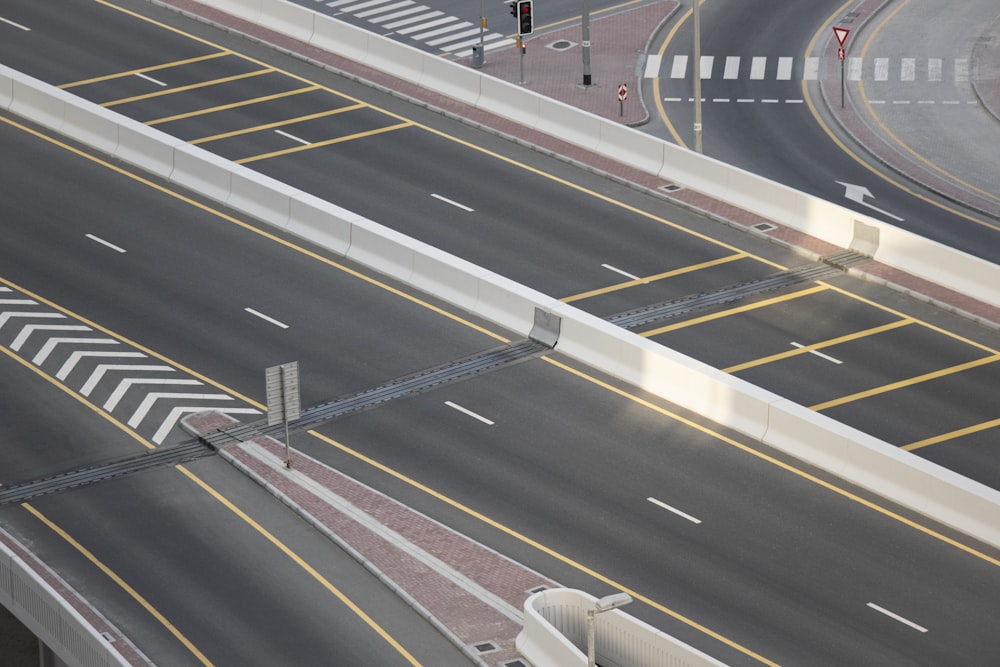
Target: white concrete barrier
321, 222
147, 148
440, 75
201, 171
384, 250
94, 126
249, 10
261, 196
340, 38
41, 103
629, 146
288, 18
406, 61
505, 99
555, 635
7, 76
557, 118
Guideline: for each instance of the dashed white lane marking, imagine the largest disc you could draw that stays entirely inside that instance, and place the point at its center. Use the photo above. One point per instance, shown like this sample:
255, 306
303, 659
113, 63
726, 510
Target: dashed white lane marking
453, 203
466, 411
292, 137
264, 317
151, 79
819, 354
660, 503
16, 25
897, 617
107, 244
620, 272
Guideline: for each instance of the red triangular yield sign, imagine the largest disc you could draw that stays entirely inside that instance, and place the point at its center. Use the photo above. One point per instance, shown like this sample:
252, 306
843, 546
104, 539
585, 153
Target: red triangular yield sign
841, 34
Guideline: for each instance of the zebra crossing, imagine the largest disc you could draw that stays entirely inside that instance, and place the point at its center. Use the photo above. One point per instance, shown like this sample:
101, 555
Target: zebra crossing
759, 68
431, 27
145, 393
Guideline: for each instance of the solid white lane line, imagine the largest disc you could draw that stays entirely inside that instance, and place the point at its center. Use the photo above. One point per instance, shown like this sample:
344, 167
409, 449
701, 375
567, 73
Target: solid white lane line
105, 243
266, 318
16, 25
292, 137
151, 79
660, 503
819, 354
619, 271
469, 412
453, 203
904, 621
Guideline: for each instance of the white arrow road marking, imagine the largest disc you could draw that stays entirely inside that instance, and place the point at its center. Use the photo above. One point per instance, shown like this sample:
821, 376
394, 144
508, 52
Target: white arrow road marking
101, 369
857, 193
51, 344
660, 503
29, 329
147, 403
75, 358
5, 317
904, 621
176, 413
119, 393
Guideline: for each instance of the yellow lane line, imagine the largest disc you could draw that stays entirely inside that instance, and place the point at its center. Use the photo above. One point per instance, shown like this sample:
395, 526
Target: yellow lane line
976, 428
247, 226
805, 349
904, 383
181, 89
134, 594
320, 144
298, 560
234, 105
538, 545
901, 315
280, 123
900, 143
823, 30
735, 311
654, 278
143, 70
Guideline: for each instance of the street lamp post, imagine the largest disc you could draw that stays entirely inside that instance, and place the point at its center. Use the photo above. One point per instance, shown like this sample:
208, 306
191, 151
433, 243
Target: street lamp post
585, 43
606, 603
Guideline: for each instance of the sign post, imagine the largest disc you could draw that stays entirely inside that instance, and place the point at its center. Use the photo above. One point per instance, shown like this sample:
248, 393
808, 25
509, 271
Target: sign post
622, 96
841, 35
283, 402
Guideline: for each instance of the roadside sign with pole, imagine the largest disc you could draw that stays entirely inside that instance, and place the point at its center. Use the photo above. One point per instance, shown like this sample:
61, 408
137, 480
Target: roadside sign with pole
622, 96
841, 35
283, 402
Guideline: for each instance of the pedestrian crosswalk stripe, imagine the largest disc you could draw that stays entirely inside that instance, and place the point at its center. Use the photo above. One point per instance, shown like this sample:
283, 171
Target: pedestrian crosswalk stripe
961, 70
732, 70
363, 5
652, 66
784, 69
449, 27
425, 25
757, 66
706, 66
881, 69
854, 69
449, 38
384, 9
934, 69
413, 19
908, 69
810, 72
679, 69
404, 12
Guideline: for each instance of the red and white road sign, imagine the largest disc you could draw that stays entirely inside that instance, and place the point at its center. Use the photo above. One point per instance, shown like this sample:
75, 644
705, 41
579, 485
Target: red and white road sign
622, 92
841, 34
841, 54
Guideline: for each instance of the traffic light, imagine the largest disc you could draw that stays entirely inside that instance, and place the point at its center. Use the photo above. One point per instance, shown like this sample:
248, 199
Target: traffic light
513, 8
524, 22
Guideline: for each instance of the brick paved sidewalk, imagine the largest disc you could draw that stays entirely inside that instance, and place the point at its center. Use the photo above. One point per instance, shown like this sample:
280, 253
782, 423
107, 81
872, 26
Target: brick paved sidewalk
473, 594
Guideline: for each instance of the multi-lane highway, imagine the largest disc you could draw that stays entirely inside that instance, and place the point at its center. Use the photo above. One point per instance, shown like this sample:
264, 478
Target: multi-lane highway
763, 111
781, 566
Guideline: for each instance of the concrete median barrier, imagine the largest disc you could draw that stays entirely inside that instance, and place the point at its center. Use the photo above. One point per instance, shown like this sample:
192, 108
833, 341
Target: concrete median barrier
249, 10
35, 100
443, 76
382, 249
94, 126
632, 147
201, 171
261, 196
321, 222
288, 18
147, 148
557, 118
7, 76
509, 101
338, 37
